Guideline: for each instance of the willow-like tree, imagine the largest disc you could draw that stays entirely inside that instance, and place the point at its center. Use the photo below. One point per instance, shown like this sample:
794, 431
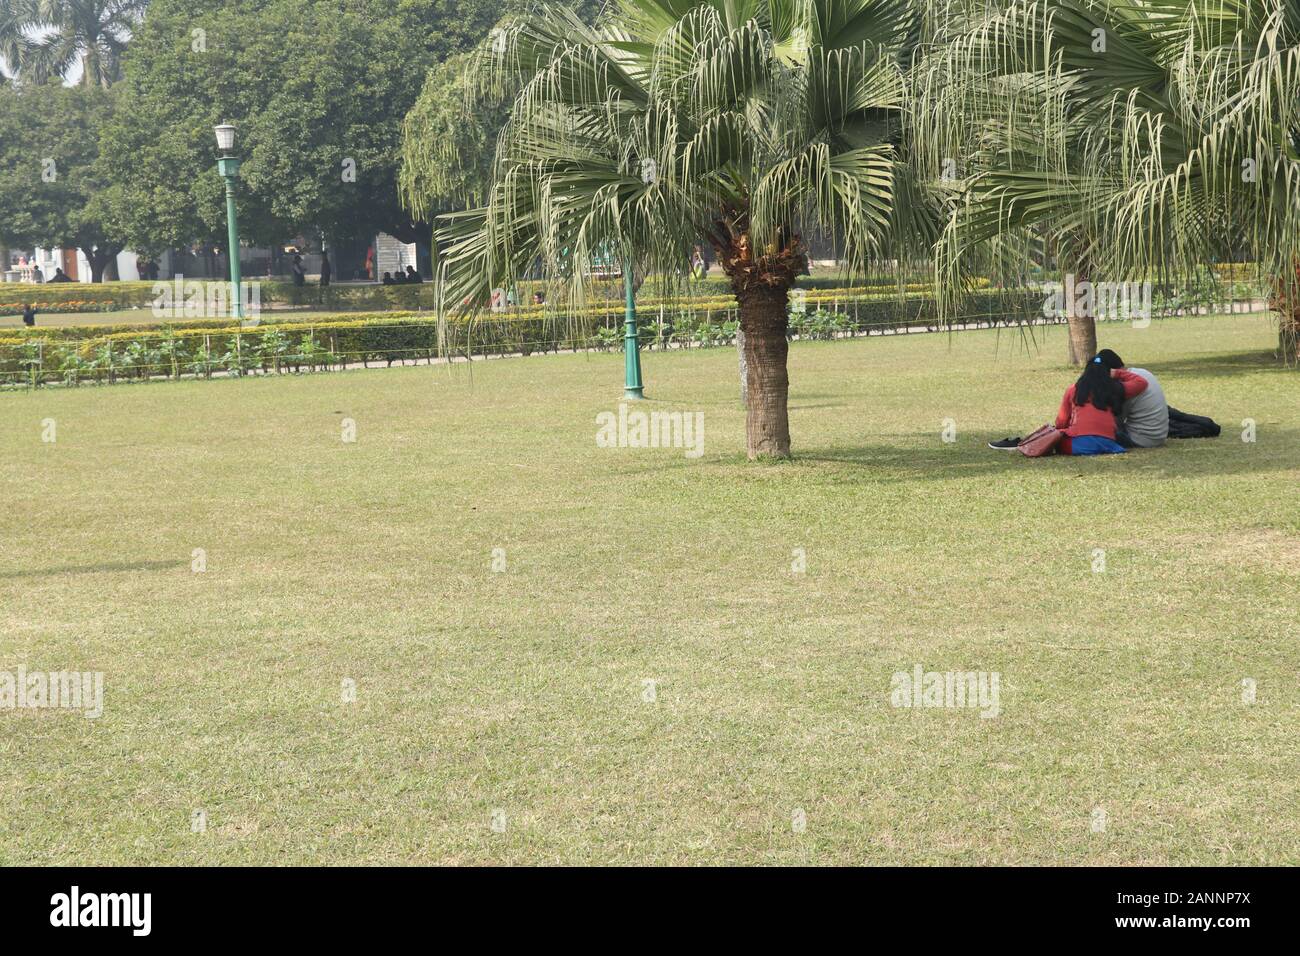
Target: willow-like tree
673, 123
1137, 139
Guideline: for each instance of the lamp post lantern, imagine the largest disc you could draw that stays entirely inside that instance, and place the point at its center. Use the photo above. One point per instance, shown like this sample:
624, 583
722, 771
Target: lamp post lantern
228, 166
632, 387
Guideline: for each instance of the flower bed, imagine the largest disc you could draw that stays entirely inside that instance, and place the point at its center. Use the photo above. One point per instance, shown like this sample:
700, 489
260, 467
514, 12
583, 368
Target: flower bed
52, 306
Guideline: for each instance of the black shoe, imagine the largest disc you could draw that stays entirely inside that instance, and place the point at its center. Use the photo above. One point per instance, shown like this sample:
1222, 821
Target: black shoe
1005, 444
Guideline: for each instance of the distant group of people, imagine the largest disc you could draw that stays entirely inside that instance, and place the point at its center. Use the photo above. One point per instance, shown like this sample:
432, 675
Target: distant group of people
409, 277
1111, 409
298, 271
38, 277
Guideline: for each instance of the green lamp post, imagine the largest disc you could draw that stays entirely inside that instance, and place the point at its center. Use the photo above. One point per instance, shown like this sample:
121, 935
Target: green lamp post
228, 166
632, 387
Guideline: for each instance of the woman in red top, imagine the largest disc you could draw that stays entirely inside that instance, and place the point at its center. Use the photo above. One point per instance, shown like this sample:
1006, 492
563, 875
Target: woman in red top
1089, 406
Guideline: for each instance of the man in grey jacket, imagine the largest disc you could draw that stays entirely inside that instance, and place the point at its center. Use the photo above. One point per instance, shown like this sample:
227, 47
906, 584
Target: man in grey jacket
1144, 422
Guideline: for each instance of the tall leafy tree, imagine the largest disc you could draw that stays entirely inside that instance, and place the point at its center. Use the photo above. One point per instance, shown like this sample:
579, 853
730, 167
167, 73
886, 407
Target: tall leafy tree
45, 39
51, 190
737, 123
447, 144
317, 89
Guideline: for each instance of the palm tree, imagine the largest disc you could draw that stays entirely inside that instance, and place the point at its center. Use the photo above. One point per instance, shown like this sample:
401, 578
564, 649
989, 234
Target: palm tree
43, 39
740, 123
1236, 183
1140, 137
11, 38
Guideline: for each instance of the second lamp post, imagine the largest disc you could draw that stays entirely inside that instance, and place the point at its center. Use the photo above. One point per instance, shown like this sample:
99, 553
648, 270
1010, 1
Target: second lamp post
228, 166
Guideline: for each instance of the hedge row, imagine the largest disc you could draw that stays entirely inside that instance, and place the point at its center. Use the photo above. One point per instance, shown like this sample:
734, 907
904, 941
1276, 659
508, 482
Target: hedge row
597, 311
110, 354
39, 356
115, 296
120, 296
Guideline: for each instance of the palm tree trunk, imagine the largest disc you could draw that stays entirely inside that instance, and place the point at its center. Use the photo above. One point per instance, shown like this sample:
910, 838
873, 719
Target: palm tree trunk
763, 319
1082, 327
761, 283
1288, 339
744, 371
1285, 301
1083, 338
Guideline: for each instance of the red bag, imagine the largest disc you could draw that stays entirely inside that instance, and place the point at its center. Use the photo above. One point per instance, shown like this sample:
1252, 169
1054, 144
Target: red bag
1042, 442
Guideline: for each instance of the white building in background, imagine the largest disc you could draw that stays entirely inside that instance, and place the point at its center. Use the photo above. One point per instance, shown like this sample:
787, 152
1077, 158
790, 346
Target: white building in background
392, 255
126, 264
71, 261
363, 261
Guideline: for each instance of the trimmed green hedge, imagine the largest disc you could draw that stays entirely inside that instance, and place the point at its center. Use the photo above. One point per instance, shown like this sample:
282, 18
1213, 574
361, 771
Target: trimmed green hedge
115, 296
74, 354
112, 353
1234, 280
118, 296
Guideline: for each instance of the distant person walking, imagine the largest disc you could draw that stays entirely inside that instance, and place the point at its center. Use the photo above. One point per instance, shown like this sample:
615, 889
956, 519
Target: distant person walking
37, 275
29, 315
325, 269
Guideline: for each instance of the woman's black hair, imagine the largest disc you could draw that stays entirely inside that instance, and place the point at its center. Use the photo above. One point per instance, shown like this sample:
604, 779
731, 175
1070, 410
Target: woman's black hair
1110, 358
1096, 386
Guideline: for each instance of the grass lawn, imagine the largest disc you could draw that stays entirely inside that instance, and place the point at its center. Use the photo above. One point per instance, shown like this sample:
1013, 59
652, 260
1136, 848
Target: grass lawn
523, 691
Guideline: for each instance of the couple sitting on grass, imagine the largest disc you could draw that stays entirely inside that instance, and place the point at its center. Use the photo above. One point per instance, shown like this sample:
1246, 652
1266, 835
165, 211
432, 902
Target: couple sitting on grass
1109, 410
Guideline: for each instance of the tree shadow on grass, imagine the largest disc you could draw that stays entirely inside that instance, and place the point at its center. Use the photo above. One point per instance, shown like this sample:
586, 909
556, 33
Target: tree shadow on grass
1214, 365
1277, 449
106, 568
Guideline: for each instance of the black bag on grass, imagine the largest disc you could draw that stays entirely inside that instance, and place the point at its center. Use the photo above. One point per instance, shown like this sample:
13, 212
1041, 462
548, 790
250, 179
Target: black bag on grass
1183, 425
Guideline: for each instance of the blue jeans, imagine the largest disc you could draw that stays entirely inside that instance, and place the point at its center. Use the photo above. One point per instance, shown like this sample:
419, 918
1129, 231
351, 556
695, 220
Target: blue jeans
1094, 445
